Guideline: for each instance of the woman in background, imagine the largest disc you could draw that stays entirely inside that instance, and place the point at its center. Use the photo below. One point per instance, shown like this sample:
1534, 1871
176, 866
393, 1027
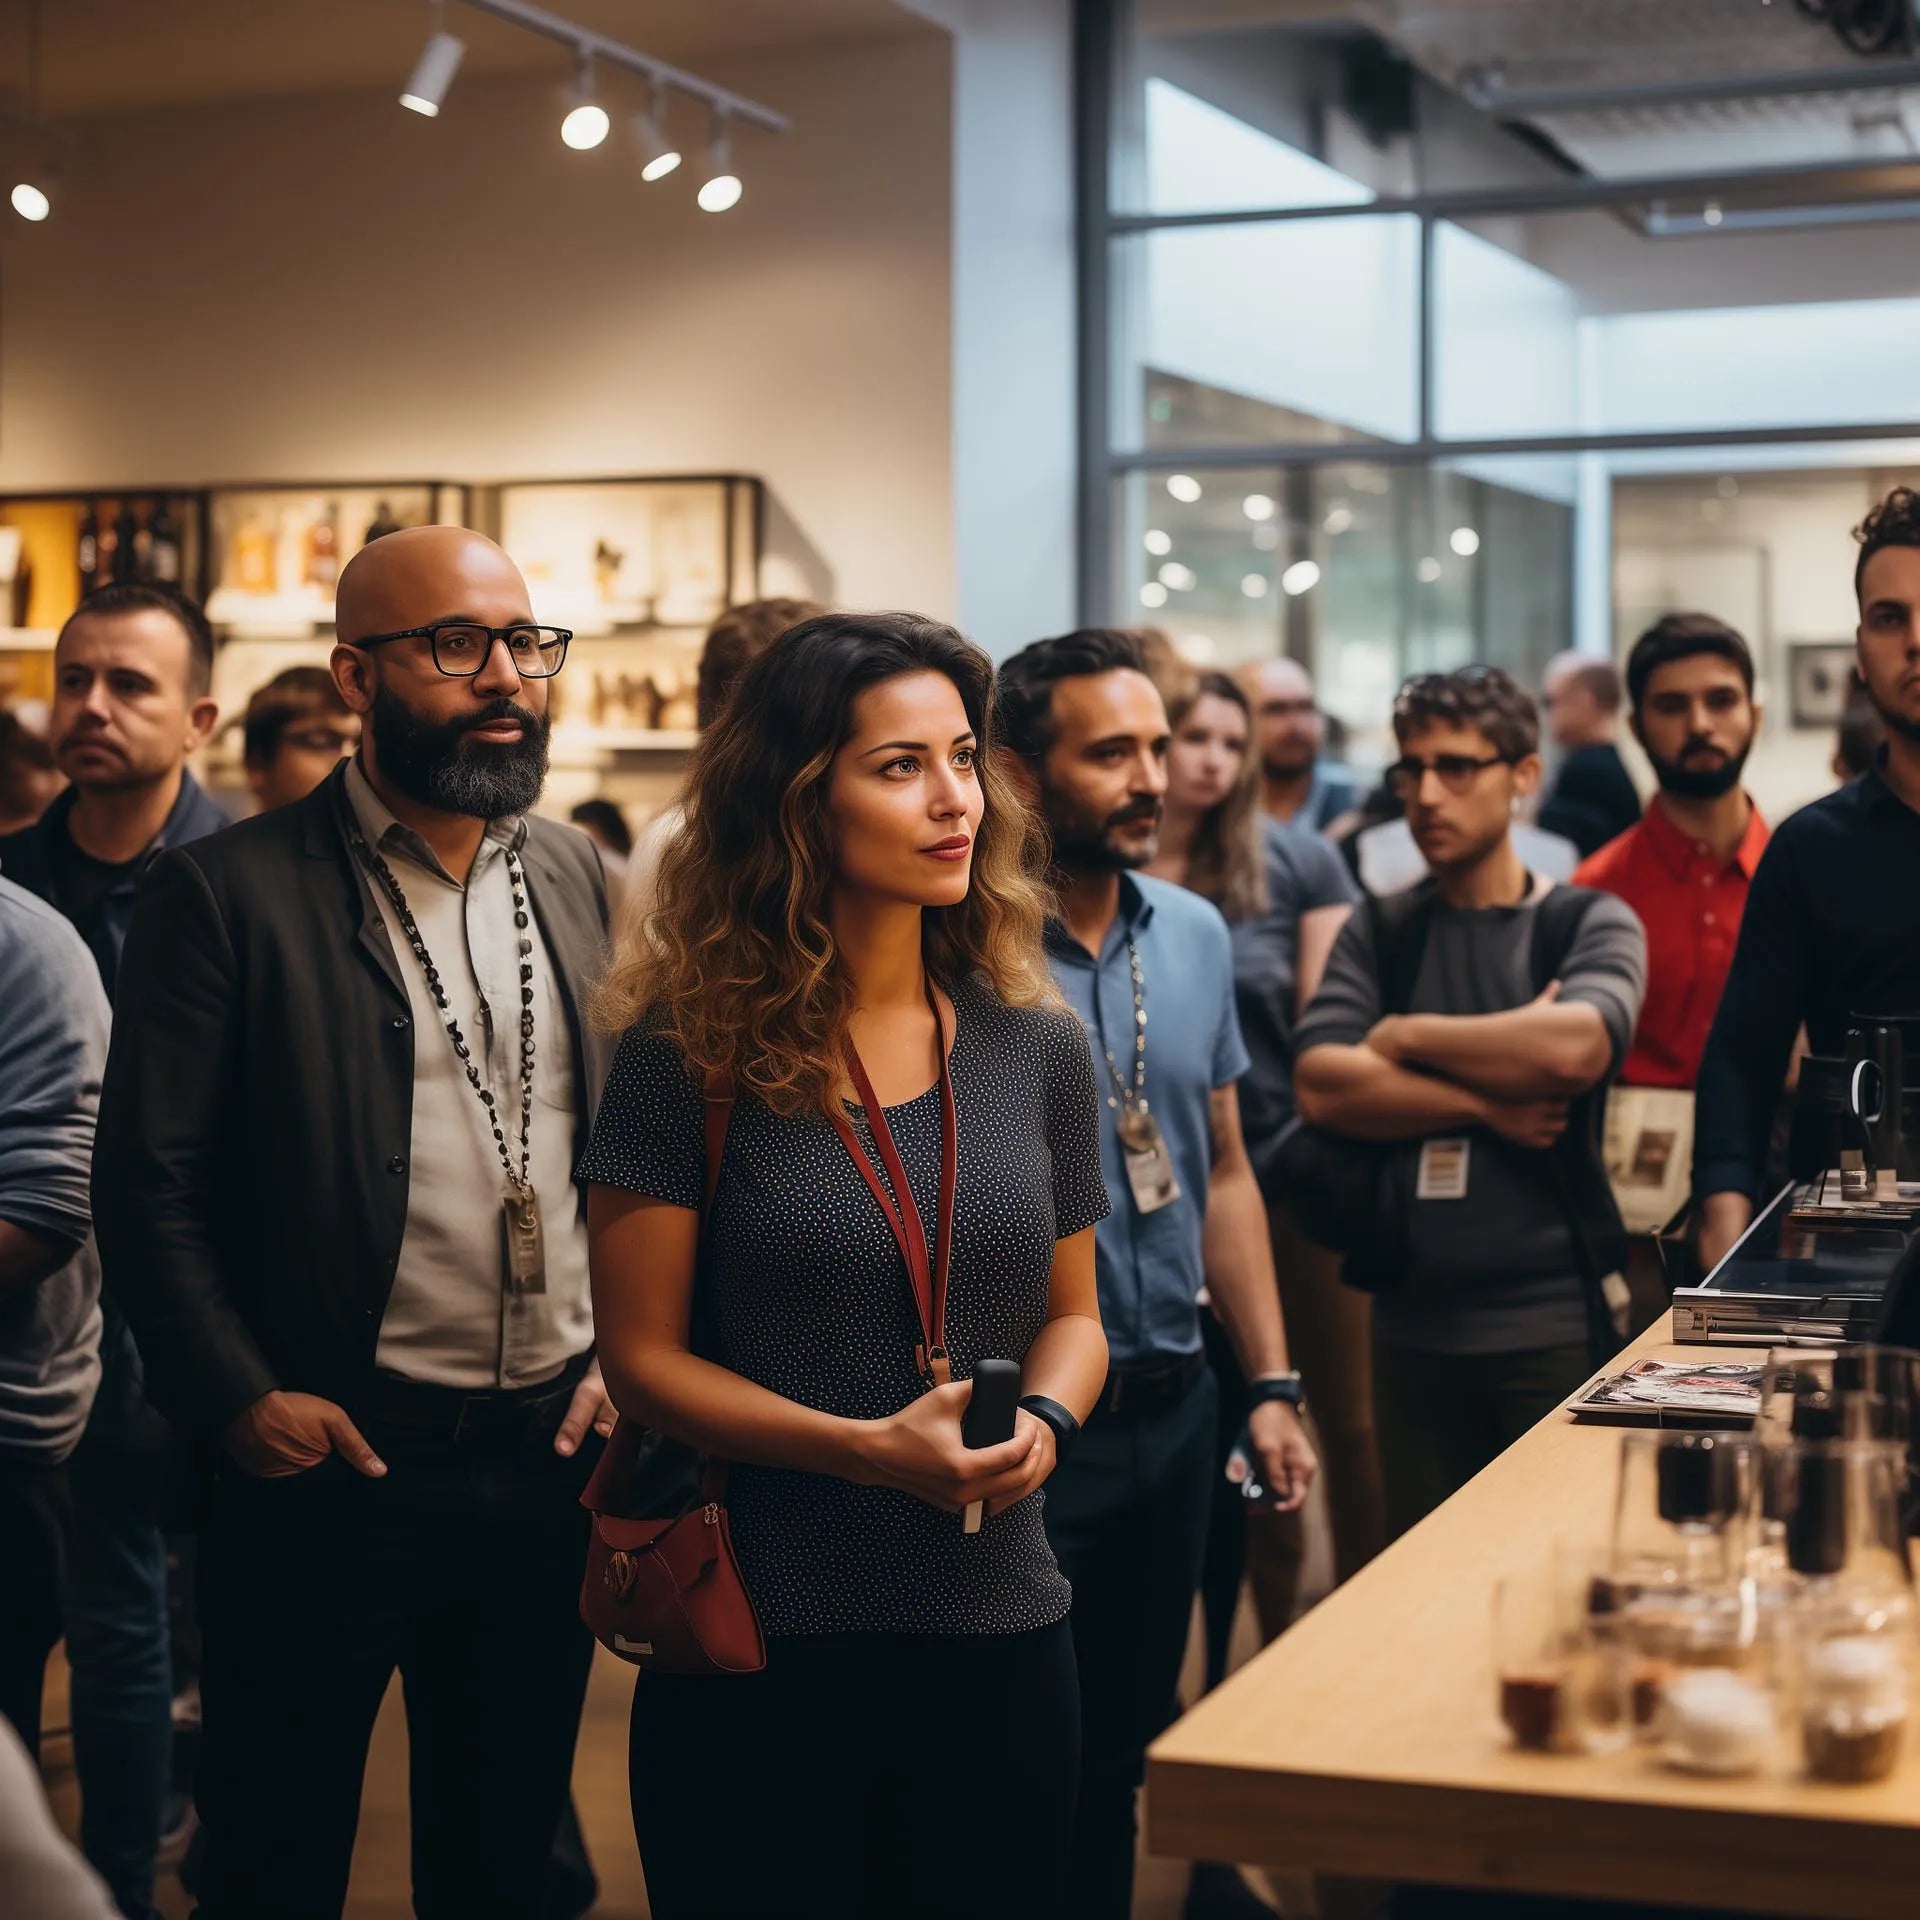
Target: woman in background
1285, 896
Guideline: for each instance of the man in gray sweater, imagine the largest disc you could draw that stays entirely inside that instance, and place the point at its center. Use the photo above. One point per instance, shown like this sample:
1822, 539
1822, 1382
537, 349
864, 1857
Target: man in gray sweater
1473, 1025
53, 1048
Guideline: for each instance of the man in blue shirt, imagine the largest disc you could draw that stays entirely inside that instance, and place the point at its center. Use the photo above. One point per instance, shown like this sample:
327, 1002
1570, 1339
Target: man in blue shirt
1149, 968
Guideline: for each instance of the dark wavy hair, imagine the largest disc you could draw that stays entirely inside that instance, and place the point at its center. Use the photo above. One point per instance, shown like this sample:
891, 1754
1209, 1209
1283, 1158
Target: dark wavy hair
1485, 698
1895, 522
1023, 690
736, 960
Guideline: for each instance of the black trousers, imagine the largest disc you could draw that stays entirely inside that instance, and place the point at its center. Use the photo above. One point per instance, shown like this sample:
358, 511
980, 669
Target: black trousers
861, 1777
33, 1550
1127, 1515
462, 1570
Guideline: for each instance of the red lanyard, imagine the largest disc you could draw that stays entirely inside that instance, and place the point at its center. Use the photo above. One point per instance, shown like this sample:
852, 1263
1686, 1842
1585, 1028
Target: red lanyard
929, 1280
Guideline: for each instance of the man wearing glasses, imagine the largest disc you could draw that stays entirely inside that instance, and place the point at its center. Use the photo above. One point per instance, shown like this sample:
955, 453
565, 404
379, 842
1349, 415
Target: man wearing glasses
352, 1071
1476, 1026
295, 731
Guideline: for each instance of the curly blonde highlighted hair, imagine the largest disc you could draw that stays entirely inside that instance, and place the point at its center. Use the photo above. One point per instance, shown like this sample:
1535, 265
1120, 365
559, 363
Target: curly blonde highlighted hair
736, 960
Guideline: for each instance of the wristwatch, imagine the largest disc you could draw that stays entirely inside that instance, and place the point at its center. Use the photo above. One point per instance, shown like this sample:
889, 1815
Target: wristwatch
1051, 1413
1275, 1386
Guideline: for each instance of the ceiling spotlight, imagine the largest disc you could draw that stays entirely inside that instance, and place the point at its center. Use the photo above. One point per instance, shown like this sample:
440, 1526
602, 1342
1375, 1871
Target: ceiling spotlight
1302, 577
661, 156
1257, 506
1177, 578
1712, 214
1184, 487
1157, 542
1254, 585
1428, 570
30, 202
433, 72
1464, 541
722, 188
586, 125
1153, 594
1338, 520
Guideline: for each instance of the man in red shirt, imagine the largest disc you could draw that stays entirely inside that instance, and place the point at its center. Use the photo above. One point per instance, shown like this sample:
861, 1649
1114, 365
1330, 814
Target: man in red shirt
1684, 869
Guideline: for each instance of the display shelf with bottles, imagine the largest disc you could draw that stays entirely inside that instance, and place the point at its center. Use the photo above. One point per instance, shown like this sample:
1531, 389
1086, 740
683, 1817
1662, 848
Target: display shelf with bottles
639, 567
55, 547
275, 550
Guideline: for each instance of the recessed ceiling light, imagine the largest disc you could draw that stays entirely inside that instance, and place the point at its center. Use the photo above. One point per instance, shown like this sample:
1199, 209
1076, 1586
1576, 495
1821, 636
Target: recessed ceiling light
1184, 487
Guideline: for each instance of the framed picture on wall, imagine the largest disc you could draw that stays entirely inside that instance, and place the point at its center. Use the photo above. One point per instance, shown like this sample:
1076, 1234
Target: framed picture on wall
1819, 678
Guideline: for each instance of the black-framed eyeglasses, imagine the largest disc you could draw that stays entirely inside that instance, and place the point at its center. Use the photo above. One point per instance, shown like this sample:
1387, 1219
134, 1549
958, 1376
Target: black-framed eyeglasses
1455, 771
462, 647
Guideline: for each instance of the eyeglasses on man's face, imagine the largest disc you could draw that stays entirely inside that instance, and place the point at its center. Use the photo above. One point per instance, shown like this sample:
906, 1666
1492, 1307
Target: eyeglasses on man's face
461, 648
1455, 771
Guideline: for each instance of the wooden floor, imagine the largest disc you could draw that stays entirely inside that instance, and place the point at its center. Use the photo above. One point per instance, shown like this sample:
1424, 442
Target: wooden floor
380, 1872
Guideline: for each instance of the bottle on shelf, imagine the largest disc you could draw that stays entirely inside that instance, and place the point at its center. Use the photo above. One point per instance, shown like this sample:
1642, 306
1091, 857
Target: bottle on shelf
323, 546
251, 562
108, 551
87, 549
163, 546
126, 538
143, 548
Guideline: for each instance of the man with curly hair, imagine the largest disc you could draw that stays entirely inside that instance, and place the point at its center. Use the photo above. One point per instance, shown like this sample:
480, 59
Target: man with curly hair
1832, 925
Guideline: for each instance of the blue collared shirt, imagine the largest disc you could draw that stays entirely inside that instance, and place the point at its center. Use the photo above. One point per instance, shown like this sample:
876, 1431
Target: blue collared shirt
1149, 1264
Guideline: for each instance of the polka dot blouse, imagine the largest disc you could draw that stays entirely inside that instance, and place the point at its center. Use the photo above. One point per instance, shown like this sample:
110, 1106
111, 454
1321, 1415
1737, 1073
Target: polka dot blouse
801, 1288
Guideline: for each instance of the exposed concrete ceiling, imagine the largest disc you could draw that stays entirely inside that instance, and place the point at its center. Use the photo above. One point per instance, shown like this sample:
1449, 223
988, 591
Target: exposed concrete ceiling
100, 57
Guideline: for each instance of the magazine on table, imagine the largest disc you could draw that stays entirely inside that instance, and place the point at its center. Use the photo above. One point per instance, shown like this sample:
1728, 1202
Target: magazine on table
1675, 1393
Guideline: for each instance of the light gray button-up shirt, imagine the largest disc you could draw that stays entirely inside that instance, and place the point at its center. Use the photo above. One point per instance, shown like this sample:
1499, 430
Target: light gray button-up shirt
449, 1318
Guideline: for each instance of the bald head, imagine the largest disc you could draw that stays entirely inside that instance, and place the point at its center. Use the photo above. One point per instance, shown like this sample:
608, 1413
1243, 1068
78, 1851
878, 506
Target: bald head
459, 737
423, 574
1581, 695
1286, 721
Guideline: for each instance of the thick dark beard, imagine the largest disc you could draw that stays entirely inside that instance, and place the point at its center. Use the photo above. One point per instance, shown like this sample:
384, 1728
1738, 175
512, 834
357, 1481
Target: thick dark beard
1079, 847
1274, 771
1700, 783
430, 763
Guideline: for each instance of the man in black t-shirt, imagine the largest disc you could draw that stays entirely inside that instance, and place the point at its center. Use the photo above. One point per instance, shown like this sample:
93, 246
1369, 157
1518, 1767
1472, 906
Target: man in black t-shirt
1593, 799
132, 669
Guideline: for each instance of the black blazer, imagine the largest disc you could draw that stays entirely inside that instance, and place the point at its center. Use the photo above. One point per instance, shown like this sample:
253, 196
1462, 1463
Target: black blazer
250, 1168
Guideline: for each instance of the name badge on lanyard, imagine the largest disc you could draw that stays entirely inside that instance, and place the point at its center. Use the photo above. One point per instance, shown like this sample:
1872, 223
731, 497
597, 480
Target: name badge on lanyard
1149, 1161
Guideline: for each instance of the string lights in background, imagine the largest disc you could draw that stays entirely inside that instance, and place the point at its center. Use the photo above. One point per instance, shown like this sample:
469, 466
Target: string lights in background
588, 123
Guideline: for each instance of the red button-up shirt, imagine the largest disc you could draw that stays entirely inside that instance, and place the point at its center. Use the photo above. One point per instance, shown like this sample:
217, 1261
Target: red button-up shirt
1690, 905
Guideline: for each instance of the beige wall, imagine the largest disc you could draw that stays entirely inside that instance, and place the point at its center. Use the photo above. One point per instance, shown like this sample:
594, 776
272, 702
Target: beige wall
334, 288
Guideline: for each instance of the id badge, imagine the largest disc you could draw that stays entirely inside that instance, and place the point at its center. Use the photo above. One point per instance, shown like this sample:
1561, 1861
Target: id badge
1149, 1163
1443, 1170
526, 1245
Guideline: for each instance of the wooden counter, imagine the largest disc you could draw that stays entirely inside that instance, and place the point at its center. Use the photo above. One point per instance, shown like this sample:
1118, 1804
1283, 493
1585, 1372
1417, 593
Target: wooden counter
1367, 1742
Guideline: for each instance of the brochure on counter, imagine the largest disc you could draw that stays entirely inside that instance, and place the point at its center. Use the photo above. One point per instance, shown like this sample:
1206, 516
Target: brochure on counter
1674, 1393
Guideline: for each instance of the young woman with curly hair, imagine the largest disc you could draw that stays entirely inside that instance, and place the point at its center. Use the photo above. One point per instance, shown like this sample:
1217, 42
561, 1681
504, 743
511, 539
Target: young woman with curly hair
847, 935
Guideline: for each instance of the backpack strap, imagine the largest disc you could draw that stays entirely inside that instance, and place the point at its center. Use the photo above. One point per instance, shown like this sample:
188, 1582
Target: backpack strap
1556, 926
1398, 924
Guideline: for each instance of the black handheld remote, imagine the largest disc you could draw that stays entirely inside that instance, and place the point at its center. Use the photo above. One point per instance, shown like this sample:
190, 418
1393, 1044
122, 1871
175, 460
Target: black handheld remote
988, 1419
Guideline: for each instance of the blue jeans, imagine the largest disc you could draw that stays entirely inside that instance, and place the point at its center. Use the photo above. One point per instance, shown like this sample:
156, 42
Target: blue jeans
117, 1630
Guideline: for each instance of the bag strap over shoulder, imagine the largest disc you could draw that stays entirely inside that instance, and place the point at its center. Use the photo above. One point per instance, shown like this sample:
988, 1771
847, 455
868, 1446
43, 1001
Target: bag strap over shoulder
1556, 926
719, 1120
1398, 924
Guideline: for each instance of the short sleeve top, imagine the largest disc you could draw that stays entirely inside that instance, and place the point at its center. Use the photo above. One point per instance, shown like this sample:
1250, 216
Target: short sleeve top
800, 1288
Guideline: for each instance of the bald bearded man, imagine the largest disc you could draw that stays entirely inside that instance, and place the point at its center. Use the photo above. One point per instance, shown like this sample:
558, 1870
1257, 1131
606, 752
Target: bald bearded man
351, 1074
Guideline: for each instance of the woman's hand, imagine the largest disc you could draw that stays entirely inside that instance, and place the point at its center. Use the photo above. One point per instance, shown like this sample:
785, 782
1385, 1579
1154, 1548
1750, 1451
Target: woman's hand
919, 1450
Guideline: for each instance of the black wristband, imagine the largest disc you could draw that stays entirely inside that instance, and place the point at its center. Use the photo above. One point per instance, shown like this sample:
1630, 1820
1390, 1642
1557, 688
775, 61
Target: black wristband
1276, 1386
1064, 1425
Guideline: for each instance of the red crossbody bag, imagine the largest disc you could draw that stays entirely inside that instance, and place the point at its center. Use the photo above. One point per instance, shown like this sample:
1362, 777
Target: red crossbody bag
663, 1587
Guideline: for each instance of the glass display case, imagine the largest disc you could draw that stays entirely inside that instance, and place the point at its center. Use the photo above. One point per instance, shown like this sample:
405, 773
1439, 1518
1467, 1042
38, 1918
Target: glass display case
639, 567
